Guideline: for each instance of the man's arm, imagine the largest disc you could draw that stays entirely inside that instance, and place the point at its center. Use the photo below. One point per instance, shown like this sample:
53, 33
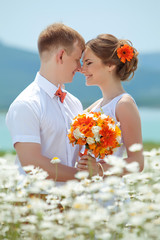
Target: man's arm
30, 154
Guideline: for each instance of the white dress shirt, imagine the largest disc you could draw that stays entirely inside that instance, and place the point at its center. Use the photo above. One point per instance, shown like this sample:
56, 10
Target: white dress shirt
38, 116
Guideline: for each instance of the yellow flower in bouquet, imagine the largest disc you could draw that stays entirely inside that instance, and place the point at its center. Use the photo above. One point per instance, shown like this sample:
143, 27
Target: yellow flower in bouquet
97, 131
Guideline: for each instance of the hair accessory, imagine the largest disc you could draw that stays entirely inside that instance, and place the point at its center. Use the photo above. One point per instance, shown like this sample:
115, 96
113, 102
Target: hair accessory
125, 53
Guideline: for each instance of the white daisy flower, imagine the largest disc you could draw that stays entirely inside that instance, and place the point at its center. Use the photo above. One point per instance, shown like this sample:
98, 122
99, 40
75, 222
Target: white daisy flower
82, 175
132, 167
55, 160
135, 147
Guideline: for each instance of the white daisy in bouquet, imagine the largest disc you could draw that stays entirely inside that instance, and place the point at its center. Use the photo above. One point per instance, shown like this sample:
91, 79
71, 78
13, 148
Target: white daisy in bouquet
98, 132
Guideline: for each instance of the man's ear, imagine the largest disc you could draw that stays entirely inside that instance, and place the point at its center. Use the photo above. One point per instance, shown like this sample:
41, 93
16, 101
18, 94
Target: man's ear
60, 55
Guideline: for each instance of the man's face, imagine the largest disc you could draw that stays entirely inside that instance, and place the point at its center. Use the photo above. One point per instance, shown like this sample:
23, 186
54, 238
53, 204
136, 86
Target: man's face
71, 63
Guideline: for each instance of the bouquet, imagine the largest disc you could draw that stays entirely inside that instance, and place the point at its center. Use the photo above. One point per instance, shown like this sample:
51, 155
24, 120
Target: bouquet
97, 131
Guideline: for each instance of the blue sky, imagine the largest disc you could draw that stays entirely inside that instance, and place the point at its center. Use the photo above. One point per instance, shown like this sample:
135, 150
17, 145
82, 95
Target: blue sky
21, 21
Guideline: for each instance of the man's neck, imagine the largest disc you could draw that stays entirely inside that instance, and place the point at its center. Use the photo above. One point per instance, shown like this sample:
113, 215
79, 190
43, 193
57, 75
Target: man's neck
49, 76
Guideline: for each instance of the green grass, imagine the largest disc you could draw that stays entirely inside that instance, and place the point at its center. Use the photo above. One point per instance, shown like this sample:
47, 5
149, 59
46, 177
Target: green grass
146, 145
2, 153
150, 145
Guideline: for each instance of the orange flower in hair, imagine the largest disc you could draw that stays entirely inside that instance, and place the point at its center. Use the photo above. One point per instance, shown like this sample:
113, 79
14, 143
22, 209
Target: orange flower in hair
125, 53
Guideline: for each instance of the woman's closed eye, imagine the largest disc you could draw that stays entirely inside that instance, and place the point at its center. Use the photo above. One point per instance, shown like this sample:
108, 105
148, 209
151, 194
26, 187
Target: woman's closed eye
88, 63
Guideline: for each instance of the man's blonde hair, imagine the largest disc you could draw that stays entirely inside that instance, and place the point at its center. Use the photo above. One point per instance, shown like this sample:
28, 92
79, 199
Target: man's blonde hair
59, 35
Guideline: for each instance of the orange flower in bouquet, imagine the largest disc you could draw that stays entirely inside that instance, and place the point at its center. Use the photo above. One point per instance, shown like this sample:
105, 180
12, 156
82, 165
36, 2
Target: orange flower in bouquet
98, 132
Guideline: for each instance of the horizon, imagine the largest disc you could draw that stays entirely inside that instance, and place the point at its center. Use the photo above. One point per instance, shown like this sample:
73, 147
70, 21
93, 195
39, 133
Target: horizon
22, 21
36, 51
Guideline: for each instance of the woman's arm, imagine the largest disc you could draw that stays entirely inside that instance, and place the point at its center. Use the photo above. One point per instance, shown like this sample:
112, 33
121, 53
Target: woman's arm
128, 116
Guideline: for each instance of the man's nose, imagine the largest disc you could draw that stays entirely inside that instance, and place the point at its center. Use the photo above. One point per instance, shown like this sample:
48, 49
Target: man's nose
82, 69
79, 67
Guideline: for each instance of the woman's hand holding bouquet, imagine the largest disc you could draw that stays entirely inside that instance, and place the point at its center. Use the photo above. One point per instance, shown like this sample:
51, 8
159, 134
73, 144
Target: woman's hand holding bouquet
100, 136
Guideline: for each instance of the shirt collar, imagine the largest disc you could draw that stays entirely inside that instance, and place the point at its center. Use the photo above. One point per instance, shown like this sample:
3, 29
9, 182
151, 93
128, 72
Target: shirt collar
47, 86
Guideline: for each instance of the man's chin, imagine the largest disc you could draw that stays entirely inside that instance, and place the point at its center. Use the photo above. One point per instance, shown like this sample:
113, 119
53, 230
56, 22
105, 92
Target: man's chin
69, 81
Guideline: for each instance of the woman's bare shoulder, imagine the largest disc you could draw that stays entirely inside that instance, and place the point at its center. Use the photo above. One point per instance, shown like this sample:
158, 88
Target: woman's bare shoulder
126, 107
93, 105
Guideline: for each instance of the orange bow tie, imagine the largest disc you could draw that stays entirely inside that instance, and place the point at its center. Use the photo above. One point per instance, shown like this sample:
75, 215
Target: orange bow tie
61, 94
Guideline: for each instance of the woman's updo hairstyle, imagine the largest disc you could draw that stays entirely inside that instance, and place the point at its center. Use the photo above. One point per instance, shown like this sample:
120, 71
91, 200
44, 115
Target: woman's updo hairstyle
105, 47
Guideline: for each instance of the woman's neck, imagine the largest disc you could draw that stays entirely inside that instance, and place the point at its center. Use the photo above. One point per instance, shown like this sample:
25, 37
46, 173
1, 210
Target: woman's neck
110, 91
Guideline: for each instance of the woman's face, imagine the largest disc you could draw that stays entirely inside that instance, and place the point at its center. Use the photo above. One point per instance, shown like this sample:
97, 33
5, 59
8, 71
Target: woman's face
93, 68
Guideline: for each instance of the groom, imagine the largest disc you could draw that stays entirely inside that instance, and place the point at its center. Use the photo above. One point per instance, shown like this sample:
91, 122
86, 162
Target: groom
40, 116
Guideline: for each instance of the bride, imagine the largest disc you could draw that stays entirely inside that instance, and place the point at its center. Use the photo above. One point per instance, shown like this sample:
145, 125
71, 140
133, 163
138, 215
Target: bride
107, 62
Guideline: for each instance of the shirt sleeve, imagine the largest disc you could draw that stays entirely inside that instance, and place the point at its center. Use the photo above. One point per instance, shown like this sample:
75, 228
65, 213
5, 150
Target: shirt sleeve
78, 105
23, 123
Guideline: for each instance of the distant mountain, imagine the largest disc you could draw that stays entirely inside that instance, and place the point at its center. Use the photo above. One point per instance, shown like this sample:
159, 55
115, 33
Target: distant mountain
19, 67
17, 70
